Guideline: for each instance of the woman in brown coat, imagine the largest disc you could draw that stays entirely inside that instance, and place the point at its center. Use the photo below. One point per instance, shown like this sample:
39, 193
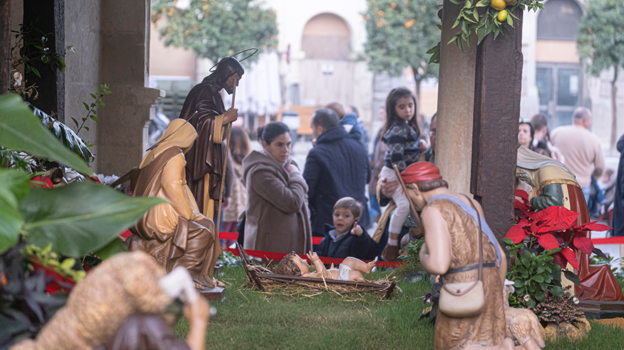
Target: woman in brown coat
277, 209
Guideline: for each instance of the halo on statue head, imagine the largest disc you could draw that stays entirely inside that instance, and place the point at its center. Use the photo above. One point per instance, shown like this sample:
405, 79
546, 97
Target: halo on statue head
214, 68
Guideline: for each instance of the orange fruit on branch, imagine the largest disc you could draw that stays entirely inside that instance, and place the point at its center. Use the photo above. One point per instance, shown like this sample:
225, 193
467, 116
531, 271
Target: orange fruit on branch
498, 5
502, 16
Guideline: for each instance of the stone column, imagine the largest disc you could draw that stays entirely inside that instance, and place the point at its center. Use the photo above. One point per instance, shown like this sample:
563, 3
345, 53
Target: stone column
455, 105
124, 35
5, 47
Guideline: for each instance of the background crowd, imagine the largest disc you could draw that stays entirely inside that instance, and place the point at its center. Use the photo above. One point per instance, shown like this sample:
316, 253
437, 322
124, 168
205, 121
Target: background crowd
579, 149
278, 205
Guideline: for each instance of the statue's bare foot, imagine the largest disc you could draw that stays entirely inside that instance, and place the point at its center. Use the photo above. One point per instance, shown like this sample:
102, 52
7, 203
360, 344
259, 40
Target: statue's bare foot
370, 265
218, 283
199, 287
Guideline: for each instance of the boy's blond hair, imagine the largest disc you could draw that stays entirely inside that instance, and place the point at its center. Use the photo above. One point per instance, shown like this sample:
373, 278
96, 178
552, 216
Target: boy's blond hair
351, 204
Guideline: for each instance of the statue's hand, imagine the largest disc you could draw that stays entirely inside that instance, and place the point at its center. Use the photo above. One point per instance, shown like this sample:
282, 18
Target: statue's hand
230, 115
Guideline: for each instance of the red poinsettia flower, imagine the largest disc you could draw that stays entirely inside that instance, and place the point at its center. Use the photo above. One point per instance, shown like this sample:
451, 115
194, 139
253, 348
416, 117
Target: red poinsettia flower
95, 179
47, 181
516, 234
548, 241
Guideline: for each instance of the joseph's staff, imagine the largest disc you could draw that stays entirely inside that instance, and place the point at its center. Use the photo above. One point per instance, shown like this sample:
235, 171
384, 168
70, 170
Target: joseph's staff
398, 174
227, 149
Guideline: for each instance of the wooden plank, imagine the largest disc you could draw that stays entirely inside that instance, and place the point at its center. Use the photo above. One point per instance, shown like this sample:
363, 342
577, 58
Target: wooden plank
277, 277
498, 83
601, 305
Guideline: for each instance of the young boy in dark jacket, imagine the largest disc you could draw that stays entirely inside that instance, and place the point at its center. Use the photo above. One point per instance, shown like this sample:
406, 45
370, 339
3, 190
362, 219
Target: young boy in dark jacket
346, 237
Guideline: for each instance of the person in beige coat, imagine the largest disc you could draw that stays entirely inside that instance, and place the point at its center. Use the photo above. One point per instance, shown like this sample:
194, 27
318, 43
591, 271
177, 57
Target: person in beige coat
277, 204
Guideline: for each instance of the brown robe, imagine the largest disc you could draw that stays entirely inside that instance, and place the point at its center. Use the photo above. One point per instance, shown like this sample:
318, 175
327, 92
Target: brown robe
488, 328
277, 207
207, 154
190, 244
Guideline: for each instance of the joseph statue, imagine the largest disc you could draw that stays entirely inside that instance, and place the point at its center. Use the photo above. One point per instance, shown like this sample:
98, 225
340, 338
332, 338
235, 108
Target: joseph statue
175, 233
204, 109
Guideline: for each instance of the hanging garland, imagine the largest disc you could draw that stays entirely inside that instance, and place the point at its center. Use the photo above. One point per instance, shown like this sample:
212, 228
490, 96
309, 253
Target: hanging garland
495, 17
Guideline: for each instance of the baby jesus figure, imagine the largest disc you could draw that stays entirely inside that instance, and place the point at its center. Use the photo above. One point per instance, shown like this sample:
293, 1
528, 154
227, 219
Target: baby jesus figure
350, 269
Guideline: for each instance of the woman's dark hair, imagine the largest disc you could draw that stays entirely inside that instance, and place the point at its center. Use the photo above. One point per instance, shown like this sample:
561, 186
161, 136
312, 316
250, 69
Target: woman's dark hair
239, 144
392, 116
269, 132
526, 122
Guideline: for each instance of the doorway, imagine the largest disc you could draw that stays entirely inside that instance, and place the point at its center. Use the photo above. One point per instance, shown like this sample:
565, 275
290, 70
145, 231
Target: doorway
559, 88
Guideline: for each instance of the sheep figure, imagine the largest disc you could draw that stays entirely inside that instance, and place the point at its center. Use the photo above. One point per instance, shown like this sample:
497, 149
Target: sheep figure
522, 324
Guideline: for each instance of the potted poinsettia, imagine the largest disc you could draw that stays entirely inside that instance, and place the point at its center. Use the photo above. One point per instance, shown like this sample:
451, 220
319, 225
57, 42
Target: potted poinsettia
551, 228
541, 244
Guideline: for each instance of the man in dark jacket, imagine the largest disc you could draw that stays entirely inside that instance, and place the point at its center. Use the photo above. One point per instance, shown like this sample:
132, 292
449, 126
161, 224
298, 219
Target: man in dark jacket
336, 167
618, 205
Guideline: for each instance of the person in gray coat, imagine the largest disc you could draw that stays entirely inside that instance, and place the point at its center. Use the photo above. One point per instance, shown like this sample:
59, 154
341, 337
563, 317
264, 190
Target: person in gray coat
277, 218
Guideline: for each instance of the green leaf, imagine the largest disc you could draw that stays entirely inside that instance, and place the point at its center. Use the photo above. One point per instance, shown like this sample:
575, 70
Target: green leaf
75, 121
508, 241
510, 21
86, 128
538, 279
68, 264
101, 103
112, 248
539, 296
483, 3
86, 106
14, 185
530, 303
94, 118
81, 217
110, 92
557, 291
34, 70
21, 130
93, 96
572, 277
540, 270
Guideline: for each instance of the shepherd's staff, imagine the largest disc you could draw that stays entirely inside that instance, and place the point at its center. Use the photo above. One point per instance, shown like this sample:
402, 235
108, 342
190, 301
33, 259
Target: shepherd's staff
227, 149
398, 174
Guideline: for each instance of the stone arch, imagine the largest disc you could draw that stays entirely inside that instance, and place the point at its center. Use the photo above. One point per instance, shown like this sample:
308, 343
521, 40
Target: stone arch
326, 36
559, 20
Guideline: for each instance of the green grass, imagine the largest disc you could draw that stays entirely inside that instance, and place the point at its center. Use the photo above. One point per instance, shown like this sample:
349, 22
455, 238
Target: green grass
248, 319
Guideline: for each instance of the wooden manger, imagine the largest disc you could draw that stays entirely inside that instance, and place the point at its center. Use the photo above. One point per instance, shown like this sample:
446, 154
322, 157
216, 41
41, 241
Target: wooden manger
257, 273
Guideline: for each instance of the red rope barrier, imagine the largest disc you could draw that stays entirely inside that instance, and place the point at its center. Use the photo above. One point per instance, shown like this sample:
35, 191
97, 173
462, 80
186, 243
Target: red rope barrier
234, 236
610, 240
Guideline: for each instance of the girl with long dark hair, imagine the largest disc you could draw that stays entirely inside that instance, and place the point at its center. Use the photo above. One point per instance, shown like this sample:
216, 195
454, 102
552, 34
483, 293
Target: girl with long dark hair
401, 134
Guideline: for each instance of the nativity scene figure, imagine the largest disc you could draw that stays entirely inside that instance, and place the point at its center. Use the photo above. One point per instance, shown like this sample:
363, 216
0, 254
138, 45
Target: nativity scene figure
461, 248
204, 110
350, 269
550, 183
175, 233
